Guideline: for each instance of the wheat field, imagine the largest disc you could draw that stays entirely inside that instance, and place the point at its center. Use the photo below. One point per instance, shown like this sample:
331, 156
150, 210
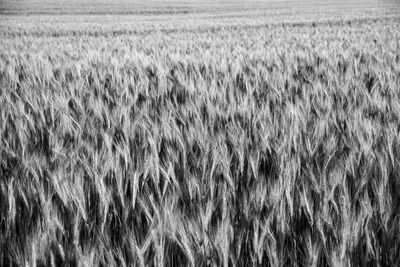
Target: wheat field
200, 134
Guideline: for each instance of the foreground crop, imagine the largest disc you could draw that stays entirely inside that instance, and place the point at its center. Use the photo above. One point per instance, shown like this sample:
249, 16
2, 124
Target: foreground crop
273, 146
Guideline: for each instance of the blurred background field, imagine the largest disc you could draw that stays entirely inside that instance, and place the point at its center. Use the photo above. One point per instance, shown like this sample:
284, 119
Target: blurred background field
119, 17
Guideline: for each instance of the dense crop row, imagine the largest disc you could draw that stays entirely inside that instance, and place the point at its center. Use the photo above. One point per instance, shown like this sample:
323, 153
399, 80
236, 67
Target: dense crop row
277, 146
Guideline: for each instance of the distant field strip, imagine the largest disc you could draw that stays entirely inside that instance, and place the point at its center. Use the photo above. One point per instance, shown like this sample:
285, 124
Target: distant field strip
186, 7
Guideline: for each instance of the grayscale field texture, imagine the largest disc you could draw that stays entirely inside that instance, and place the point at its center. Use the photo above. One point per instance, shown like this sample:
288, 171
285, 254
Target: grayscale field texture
212, 133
